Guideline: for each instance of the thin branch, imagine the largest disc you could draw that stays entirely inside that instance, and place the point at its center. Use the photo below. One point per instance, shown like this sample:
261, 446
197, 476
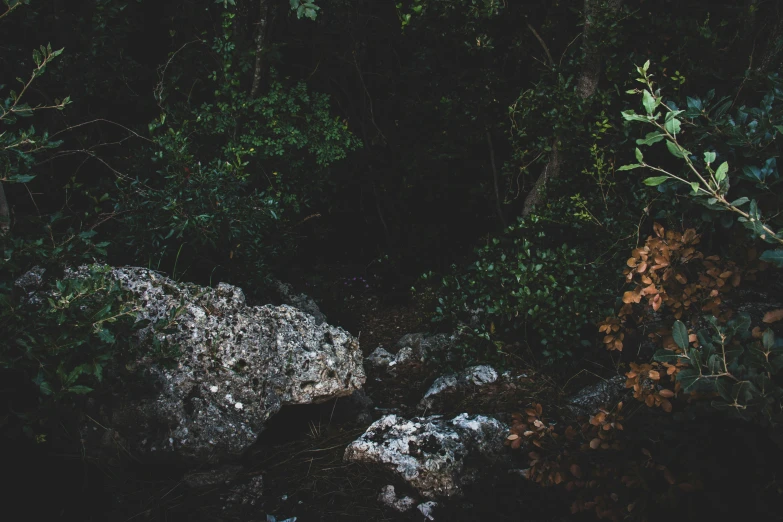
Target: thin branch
495, 180
541, 41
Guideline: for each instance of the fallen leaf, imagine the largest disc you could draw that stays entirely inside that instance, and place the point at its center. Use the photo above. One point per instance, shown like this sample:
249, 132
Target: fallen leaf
773, 316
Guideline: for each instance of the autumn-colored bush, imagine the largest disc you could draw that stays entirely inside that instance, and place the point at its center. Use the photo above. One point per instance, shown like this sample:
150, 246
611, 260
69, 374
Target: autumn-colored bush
596, 463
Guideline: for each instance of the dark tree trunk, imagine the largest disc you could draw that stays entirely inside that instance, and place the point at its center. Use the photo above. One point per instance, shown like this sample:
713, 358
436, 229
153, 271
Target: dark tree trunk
260, 41
5, 213
586, 86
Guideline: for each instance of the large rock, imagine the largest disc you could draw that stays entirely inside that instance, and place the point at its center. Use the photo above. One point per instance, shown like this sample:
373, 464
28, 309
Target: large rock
238, 366
434, 455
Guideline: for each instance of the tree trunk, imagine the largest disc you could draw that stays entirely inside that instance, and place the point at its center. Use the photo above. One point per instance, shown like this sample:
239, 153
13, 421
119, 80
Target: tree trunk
261, 35
771, 56
5, 213
586, 86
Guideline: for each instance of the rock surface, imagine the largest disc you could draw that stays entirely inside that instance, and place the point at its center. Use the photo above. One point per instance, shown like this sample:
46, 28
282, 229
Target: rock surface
238, 366
302, 302
604, 393
434, 455
388, 497
446, 385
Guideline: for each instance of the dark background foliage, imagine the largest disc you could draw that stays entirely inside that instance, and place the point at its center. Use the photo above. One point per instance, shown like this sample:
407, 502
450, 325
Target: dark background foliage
374, 146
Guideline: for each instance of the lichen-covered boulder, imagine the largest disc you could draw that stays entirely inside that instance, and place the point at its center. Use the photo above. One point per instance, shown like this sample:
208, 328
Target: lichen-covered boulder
434, 455
238, 366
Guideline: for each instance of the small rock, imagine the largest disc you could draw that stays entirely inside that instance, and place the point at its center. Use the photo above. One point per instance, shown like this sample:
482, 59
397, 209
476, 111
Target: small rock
473, 376
434, 455
389, 498
588, 400
427, 509
380, 358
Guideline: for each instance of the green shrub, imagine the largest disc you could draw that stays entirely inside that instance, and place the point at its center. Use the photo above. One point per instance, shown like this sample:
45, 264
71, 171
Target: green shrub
234, 172
522, 290
747, 136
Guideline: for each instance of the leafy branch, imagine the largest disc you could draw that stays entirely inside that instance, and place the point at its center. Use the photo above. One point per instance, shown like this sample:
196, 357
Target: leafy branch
710, 185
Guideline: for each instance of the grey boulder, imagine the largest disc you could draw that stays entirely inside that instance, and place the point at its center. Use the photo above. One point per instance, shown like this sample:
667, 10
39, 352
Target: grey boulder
238, 365
434, 455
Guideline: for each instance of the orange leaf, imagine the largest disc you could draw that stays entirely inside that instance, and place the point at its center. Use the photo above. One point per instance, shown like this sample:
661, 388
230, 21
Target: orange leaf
595, 443
576, 471
631, 262
773, 316
654, 375
658, 229
666, 406
666, 393
513, 436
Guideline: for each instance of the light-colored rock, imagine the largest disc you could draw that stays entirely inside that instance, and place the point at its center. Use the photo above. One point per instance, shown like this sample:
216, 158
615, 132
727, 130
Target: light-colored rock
379, 358
238, 366
431, 454
428, 509
446, 384
388, 497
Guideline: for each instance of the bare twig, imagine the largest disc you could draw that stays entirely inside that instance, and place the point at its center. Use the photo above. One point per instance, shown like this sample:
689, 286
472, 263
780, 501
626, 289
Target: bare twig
495, 180
541, 41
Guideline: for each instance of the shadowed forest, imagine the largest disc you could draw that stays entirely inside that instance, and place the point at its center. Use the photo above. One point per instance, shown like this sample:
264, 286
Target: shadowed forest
575, 191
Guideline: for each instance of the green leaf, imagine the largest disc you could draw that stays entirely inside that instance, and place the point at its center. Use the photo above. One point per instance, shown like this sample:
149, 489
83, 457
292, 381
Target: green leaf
630, 167
680, 334
655, 181
709, 157
639, 156
688, 378
21, 178
720, 174
80, 389
650, 138
666, 356
674, 149
672, 126
632, 116
740, 201
773, 256
723, 386
649, 102
695, 186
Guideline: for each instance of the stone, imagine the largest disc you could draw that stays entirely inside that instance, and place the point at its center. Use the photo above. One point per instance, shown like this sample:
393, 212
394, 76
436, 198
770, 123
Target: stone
238, 366
588, 400
389, 498
475, 376
379, 358
302, 302
434, 455
427, 509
